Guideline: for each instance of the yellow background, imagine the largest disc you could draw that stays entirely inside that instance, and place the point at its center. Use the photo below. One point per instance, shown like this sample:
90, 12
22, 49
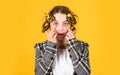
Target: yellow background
20, 29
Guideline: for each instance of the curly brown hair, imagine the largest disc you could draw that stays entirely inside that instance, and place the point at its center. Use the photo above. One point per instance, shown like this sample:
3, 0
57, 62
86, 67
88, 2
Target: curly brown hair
71, 17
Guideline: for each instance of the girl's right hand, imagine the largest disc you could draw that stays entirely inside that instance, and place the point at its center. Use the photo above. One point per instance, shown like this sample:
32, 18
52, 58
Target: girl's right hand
51, 36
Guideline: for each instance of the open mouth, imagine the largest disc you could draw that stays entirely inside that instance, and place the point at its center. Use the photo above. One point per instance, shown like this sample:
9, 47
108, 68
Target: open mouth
61, 34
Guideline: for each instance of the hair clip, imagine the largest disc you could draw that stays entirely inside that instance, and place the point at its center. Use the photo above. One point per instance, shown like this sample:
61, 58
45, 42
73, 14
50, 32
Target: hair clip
49, 18
69, 15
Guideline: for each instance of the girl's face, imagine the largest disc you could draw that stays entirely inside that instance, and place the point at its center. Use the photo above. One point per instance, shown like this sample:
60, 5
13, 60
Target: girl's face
60, 25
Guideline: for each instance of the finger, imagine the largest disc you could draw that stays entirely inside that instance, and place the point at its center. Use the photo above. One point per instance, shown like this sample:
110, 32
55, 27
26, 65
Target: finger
70, 35
70, 32
55, 36
74, 33
50, 32
47, 33
67, 37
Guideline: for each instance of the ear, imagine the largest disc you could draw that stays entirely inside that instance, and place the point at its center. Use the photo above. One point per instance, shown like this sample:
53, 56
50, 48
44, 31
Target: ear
74, 31
72, 28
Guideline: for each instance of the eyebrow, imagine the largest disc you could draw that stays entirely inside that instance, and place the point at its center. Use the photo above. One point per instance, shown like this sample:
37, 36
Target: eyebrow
63, 21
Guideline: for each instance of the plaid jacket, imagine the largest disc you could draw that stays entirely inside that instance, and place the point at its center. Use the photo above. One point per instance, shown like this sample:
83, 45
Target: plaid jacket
46, 53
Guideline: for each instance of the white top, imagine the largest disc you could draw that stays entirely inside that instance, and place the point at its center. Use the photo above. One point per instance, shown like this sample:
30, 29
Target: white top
64, 65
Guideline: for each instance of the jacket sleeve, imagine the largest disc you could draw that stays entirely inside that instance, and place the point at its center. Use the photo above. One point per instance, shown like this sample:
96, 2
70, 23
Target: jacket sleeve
45, 53
80, 56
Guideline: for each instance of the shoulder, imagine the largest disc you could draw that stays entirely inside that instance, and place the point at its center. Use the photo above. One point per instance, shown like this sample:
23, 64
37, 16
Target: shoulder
83, 43
40, 44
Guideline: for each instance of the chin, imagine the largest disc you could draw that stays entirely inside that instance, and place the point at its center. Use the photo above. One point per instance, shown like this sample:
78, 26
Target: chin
61, 43
60, 38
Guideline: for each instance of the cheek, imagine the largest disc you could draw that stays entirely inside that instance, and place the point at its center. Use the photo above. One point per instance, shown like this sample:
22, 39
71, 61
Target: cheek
65, 29
68, 26
52, 27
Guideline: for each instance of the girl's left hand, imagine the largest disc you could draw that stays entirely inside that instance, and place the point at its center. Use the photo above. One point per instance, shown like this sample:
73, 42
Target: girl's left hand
70, 34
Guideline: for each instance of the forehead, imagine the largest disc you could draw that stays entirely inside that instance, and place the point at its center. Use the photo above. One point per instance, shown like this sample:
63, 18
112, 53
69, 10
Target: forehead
60, 17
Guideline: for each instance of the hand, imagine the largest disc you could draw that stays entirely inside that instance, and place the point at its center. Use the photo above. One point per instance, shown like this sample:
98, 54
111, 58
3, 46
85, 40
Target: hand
70, 34
51, 36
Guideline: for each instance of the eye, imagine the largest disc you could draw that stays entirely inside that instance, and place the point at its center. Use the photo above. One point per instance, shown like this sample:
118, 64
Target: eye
55, 23
65, 23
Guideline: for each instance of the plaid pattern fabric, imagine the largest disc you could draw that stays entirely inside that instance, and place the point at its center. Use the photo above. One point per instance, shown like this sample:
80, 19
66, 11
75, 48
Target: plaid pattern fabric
47, 51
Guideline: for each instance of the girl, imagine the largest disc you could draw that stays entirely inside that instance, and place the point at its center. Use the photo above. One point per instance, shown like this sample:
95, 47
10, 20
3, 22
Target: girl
61, 53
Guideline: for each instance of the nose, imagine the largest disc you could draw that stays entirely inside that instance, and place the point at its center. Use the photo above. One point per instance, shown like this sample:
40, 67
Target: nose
60, 28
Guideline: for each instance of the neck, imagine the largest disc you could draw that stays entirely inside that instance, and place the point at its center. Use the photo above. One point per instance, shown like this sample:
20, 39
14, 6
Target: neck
61, 44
